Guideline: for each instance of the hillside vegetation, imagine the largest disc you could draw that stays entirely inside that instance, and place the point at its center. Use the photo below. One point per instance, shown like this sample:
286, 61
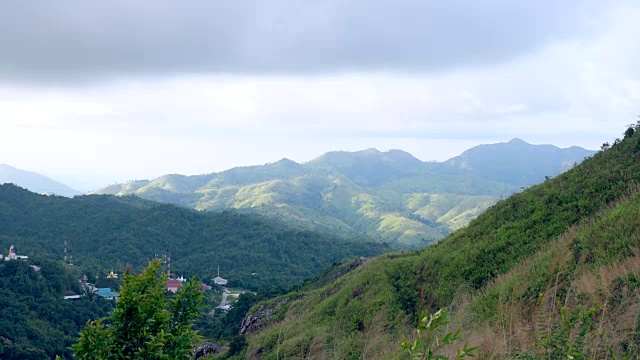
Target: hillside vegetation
550, 272
391, 195
107, 232
35, 320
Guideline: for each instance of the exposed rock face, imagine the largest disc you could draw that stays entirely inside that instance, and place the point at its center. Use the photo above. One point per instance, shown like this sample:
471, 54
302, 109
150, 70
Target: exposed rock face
205, 349
361, 260
349, 267
260, 318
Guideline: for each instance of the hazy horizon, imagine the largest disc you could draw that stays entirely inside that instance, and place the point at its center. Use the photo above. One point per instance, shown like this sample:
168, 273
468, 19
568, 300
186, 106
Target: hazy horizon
87, 187
97, 93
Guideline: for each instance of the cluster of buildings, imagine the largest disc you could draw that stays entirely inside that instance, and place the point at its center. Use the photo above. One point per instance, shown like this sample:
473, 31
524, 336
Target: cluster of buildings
106, 293
13, 256
174, 284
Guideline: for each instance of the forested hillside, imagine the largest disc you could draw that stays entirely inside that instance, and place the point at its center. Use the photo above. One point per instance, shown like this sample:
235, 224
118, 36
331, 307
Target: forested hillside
35, 320
392, 195
550, 272
106, 232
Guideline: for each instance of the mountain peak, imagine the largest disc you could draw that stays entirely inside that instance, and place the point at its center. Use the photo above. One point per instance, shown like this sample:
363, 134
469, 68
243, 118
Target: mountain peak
286, 161
517, 141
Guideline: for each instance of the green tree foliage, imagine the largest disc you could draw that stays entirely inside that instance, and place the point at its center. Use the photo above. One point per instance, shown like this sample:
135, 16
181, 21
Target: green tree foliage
145, 324
104, 231
35, 320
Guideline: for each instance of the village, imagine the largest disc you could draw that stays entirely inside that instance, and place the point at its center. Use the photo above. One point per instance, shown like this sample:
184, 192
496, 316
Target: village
173, 283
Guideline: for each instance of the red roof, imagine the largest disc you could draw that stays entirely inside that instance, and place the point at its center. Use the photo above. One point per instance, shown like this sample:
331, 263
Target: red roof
174, 283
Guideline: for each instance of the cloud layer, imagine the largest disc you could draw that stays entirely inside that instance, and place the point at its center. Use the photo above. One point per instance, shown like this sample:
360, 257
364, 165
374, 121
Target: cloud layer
69, 41
96, 92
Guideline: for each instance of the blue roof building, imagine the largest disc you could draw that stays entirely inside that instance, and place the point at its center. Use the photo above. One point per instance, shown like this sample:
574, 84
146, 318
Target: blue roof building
107, 293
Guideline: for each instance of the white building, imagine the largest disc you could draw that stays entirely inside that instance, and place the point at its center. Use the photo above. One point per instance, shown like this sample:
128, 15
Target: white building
13, 256
220, 281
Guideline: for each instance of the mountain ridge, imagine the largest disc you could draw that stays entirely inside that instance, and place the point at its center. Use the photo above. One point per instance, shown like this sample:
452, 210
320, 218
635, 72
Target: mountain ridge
34, 181
368, 191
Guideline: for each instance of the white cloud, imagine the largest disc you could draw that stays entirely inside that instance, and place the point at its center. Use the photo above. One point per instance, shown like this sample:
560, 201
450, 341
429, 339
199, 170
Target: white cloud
578, 92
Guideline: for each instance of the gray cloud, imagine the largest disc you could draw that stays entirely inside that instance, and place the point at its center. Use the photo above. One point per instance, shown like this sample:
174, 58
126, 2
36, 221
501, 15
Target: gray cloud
67, 40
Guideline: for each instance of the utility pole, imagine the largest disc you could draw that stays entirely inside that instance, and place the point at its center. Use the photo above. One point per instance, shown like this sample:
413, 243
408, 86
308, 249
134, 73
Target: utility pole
169, 264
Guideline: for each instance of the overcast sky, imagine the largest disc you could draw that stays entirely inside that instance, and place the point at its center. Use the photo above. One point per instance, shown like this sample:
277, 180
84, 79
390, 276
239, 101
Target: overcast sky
97, 92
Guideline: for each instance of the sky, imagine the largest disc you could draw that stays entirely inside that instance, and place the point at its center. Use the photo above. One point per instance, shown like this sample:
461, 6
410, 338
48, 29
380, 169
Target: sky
93, 93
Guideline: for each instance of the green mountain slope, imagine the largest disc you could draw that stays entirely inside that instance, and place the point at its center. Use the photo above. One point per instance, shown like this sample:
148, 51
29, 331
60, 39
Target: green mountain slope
34, 182
527, 255
367, 191
106, 232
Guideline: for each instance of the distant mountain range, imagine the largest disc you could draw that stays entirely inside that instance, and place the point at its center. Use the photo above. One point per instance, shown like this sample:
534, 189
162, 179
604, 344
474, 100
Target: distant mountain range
34, 182
402, 200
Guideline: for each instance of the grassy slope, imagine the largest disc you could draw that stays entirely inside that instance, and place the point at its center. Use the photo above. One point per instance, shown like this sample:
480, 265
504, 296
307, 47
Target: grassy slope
368, 310
594, 265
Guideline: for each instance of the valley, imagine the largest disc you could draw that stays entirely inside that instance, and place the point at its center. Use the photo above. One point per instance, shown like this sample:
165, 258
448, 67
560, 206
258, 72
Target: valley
319, 180
391, 196
287, 231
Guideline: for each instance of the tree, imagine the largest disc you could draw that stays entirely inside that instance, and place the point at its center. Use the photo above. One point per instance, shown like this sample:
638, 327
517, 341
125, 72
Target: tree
145, 324
629, 132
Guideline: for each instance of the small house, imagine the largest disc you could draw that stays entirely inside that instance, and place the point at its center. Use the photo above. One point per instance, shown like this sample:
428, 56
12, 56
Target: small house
107, 293
174, 285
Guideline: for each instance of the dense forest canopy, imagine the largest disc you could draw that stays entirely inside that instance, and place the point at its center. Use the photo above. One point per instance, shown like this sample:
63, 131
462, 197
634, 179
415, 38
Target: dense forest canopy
106, 232
35, 320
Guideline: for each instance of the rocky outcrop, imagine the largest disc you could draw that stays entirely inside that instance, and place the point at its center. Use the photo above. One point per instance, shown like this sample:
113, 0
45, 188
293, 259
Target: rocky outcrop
261, 317
349, 267
205, 349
